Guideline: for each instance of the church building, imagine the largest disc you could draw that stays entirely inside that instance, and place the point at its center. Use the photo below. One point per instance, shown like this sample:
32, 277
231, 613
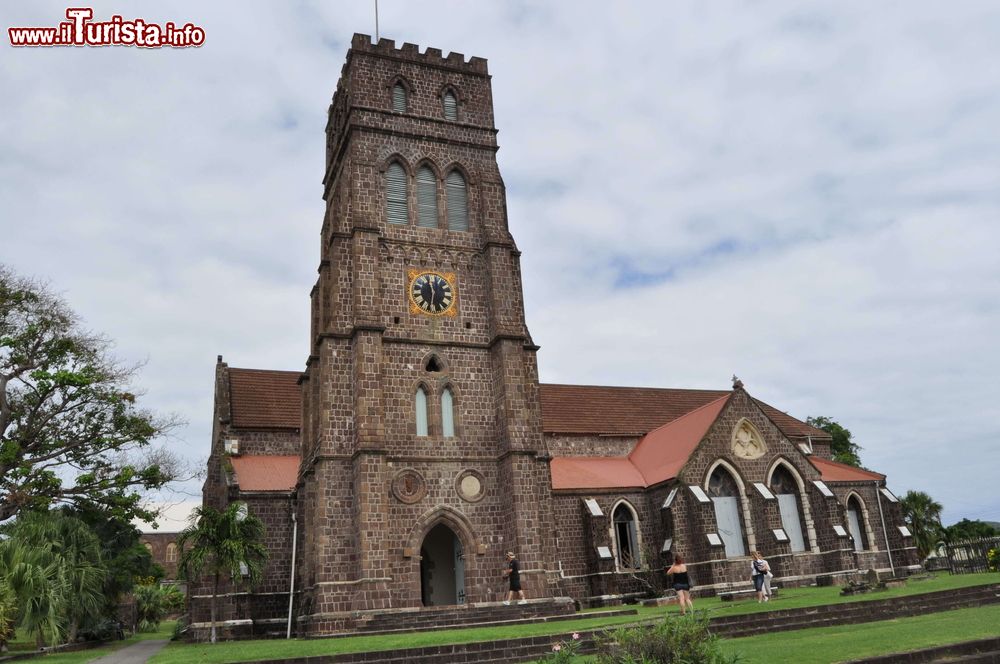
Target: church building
418, 446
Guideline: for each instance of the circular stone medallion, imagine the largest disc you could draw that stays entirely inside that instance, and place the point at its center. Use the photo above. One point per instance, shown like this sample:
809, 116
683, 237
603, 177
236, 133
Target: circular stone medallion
409, 486
470, 485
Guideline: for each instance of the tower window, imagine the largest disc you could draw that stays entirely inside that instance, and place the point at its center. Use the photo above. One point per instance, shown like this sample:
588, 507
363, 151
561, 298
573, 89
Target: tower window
427, 209
458, 202
450, 106
395, 194
433, 365
399, 98
420, 403
447, 413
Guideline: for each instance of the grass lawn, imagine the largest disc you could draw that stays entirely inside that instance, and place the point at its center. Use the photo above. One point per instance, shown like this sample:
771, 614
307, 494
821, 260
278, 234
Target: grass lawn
165, 631
825, 645
792, 598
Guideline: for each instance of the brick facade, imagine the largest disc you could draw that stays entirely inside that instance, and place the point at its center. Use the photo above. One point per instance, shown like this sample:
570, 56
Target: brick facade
369, 488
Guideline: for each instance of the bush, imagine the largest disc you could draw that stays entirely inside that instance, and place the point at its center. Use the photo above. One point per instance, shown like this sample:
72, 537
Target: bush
993, 559
674, 641
564, 651
153, 603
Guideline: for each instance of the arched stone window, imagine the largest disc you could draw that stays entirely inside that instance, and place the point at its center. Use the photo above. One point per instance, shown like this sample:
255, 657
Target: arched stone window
396, 199
450, 103
149, 547
447, 413
420, 405
725, 494
626, 533
427, 205
458, 201
786, 489
857, 524
171, 553
399, 98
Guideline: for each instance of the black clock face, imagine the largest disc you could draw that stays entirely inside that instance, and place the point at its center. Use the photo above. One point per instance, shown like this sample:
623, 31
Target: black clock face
431, 293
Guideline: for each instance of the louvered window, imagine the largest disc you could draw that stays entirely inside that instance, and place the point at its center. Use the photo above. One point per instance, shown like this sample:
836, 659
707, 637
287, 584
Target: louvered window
420, 403
395, 194
450, 106
458, 202
447, 413
399, 98
427, 206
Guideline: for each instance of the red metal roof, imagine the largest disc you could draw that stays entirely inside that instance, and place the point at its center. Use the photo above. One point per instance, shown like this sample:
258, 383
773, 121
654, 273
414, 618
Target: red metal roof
263, 399
834, 471
658, 457
266, 473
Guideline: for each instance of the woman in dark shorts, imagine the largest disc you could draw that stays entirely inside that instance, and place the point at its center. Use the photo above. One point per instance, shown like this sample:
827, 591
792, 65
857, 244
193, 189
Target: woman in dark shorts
513, 574
682, 584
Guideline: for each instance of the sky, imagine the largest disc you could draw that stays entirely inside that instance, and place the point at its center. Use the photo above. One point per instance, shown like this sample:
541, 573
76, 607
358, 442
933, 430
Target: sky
806, 195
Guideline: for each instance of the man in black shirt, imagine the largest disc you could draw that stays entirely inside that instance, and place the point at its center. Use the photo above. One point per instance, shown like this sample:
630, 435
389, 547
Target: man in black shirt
513, 574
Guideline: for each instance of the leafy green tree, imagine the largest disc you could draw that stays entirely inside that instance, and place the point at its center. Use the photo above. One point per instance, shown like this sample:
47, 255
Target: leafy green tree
843, 448
222, 545
923, 516
8, 611
68, 418
967, 529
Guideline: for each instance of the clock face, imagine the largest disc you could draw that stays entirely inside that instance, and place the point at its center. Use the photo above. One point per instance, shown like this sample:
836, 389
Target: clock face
432, 293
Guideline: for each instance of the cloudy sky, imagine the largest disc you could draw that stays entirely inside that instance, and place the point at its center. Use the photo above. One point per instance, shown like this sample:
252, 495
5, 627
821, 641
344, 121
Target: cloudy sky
804, 194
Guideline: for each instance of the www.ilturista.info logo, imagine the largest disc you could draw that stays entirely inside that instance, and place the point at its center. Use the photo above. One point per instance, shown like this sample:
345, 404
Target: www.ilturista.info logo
79, 30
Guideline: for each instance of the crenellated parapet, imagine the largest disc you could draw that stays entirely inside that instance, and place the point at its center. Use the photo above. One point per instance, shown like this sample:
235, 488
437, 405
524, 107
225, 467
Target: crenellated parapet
411, 52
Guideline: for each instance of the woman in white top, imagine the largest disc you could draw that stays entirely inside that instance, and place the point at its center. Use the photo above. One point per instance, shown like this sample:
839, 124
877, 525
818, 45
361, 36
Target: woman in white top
758, 572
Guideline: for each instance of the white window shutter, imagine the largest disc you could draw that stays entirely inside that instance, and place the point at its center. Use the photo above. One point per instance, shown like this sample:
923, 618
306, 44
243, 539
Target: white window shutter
395, 194
399, 98
450, 106
458, 202
427, 209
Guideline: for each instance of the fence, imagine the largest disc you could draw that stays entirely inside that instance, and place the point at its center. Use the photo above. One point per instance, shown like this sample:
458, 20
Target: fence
971, 555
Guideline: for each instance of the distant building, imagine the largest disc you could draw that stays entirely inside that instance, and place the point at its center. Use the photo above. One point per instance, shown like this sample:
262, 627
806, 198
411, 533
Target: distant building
163, 547
418, 446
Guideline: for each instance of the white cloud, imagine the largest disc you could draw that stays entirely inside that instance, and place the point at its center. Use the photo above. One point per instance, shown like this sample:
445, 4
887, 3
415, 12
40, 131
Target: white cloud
803, 194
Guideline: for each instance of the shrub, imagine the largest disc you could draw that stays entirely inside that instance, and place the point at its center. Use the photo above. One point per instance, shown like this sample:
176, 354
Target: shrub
564, 651
993, 559
673, 641
153, 603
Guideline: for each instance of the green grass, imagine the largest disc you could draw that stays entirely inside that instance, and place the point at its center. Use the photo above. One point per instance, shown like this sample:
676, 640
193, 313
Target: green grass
825, 645
787, 599
165, 631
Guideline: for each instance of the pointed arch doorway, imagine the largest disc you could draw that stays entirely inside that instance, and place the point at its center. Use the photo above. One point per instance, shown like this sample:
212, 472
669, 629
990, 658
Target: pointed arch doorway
442, 568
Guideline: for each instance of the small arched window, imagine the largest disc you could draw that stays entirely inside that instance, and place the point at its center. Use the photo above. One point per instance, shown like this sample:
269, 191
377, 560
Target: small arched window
149, 547
420, 405
856, 524
447, 413
450, 106
395, 194
399, 98
171, 553
458, 202
626, 538
784, 486
427, 206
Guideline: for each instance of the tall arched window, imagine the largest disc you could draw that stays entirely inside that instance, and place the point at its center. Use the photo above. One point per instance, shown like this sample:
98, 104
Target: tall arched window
450, 106
395, 194
784, 486
626, 537
447, 413
171, 553
427, 203
458, 202
420, 404
856, 524
726, 500
399, 98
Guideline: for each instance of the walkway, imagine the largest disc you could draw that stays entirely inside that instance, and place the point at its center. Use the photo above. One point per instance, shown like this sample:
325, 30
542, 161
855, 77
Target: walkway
137, 653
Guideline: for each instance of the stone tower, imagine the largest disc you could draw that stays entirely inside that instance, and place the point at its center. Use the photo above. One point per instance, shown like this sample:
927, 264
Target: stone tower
423, 459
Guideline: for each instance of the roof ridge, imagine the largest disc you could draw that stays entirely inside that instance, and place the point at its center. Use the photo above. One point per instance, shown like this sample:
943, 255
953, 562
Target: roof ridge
276, 371
636, 387
682, 417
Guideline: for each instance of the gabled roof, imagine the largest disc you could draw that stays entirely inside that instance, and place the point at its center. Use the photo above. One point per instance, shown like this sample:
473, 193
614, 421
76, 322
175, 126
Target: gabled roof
261, 399
834, 471
266, 473
658, 457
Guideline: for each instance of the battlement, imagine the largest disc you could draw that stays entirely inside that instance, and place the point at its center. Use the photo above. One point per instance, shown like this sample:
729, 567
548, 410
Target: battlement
411, 52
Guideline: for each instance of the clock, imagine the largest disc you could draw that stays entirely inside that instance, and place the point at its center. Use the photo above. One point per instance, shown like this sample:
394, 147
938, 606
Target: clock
432, 293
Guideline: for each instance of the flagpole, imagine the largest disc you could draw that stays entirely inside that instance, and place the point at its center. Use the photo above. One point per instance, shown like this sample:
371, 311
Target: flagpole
376, 21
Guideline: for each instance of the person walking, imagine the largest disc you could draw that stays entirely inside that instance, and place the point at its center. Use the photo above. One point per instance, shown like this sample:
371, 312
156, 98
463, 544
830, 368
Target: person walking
513, 574
757, 573
682, 584
767, 578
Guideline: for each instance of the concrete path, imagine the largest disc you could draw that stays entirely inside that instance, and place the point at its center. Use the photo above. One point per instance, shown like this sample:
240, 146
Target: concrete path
137, 653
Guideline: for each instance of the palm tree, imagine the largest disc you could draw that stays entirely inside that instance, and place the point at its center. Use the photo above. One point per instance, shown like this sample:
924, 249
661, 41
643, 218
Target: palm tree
222, 544
923, 515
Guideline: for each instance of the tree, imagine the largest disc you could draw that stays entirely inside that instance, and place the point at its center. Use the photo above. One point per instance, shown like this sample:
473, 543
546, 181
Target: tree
843, 449
68, 418
227, 544
923, 516
968, 529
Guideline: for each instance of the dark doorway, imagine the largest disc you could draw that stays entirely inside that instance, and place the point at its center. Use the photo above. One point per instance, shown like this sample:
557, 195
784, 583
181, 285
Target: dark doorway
442, 568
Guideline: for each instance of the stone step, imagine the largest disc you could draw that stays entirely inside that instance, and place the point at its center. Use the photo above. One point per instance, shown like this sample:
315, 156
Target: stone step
498, 623
980, 651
